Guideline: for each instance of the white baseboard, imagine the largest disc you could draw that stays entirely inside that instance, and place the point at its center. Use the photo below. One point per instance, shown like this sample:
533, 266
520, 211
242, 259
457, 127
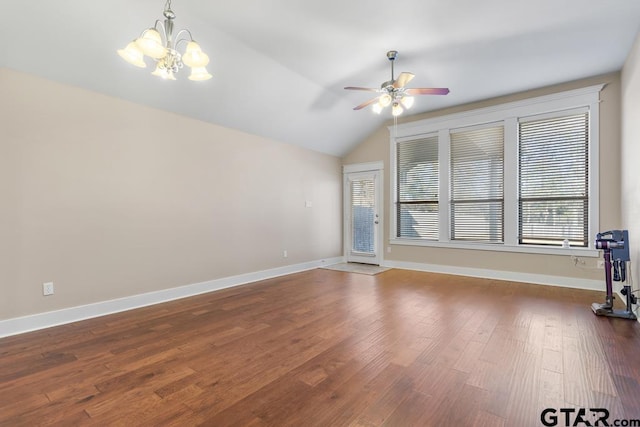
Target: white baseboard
38, 321
34, 322
512, 276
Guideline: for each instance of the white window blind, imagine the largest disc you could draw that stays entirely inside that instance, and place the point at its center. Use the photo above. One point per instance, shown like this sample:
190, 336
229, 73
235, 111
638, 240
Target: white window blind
553, 180
477, 184
417, 188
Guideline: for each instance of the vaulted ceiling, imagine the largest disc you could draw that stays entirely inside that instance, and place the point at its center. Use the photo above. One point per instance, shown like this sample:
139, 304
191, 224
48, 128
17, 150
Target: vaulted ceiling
279, 66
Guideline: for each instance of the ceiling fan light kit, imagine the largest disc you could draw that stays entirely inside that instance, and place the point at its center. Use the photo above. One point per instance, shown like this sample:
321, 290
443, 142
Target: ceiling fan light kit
394, 92
164, 51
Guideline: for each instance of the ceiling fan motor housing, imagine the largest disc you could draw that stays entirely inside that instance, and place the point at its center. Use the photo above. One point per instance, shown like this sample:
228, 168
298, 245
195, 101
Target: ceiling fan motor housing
388, 86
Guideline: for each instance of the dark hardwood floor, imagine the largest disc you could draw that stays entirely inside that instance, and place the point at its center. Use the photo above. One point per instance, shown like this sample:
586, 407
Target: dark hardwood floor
328, 348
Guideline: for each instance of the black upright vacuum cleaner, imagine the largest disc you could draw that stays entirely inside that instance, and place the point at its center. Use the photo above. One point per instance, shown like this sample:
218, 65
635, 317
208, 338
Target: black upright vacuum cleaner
615, 244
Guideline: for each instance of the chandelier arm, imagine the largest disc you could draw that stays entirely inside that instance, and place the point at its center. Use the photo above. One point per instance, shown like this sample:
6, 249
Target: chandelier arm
155, 26
178, 39
160, 25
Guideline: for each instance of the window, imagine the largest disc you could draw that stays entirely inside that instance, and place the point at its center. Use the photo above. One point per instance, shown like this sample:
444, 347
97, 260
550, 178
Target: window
477, 201
519, 177
417, 181
554, 180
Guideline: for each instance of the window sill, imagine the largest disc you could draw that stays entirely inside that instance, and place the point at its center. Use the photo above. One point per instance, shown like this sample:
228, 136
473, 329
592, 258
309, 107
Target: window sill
499, 247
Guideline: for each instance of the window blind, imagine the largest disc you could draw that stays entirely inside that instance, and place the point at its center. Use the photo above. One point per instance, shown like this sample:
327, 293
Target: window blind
477, 184
553, 180
417, 188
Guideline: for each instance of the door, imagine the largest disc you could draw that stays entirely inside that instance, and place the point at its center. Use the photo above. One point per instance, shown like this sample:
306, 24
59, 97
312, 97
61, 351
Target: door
362, 217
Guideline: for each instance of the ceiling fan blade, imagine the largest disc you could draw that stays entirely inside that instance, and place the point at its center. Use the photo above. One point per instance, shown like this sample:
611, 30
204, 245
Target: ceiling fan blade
427, 91
403, 79
367, 89
365, 104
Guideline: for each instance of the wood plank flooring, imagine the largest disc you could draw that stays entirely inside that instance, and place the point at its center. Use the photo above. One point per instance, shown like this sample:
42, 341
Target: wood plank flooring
328, 348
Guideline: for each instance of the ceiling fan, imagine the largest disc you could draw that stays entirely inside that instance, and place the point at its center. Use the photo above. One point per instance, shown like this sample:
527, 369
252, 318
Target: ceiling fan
394, 92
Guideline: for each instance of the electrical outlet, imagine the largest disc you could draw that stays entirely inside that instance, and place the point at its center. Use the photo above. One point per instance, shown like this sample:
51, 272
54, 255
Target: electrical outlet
577, 261
600, 263
284, 254
47, 288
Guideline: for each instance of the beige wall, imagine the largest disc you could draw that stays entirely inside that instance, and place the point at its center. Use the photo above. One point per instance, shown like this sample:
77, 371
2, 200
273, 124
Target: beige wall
109, 199
631, 155
376, 148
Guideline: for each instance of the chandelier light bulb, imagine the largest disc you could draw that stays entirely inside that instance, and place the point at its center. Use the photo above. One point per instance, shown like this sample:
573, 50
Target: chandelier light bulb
168, 75
407, 101
133, 55
376, 108
151, 44
163, 72
396, 109
160, 71
384, 100
194, 56
199, 74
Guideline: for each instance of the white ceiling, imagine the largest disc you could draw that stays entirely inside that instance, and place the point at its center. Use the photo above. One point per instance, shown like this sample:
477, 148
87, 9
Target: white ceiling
280, 66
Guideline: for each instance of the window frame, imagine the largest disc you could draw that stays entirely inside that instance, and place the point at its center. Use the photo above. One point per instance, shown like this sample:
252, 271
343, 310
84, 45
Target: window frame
508, 113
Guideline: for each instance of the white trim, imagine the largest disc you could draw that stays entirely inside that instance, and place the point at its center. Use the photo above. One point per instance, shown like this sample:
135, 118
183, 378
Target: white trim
512, 276
554, 114
510, 182
362, 167
594, 171
19, 325
525, 107
498, 247
393, 190
444, 187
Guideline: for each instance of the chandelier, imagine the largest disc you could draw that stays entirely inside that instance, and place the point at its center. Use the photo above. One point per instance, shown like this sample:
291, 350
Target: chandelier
164, 51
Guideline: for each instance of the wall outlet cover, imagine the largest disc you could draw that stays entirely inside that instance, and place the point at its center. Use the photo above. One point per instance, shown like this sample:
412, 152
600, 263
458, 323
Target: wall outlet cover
47, 288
